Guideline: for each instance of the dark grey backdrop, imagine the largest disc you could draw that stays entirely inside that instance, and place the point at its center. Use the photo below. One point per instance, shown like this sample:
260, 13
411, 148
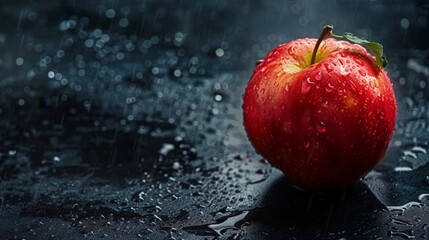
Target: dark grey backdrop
122, 120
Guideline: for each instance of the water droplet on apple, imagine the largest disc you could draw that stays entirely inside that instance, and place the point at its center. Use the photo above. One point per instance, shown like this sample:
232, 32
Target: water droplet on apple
263, 69
246, 110
305, 87
307, 144
291, 51
352, 85
309, 81
345, 72
328, 67
318, 76
362, 72
321, 127
287, 88
329, 87
358, 61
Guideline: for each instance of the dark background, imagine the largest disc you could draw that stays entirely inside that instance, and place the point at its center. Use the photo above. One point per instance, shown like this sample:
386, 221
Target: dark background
122, 120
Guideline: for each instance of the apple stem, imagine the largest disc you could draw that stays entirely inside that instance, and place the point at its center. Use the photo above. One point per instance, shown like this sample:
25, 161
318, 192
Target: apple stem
327, 31
375, 48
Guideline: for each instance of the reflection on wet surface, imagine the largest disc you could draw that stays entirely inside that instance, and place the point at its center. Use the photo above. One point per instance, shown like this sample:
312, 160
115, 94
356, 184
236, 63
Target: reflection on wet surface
123, 120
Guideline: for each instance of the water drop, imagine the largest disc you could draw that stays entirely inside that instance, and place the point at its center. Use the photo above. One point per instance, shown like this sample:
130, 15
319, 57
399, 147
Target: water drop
123, 22
51, 74
89, 43
287, 88
215, 111
309, 81
218, 98
146, 231
362, 72
12, 152
405, 23
318, 76
404, 207
155, 70
305, 87
406, 234
219, 52
257, 179
372, 84
19, 61
120, 56
291, 51
352, 85
234, 222
166, 148
329, 87
110, 13
358, 61
400, 222
176, 165
419, 149
328, 67
229, 223
177, 73
411, 154
402, 169
321, 127
423, 196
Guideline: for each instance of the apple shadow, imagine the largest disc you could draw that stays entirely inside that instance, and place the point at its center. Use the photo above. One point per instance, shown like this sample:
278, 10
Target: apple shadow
287, 211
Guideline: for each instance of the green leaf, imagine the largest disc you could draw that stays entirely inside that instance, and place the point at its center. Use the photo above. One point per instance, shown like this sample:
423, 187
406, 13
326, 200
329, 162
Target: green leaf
355, 39
375, 48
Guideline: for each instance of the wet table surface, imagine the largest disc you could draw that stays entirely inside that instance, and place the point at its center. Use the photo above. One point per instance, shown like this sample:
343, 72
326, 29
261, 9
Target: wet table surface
122, 120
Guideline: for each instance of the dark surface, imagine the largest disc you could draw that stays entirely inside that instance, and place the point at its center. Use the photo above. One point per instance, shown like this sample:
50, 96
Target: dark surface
122, 120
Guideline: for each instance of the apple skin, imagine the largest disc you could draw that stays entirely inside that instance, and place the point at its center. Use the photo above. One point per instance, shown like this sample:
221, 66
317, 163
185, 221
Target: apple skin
324, 125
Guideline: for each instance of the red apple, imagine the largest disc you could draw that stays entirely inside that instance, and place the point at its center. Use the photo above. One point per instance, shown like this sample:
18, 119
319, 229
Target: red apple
325, 124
